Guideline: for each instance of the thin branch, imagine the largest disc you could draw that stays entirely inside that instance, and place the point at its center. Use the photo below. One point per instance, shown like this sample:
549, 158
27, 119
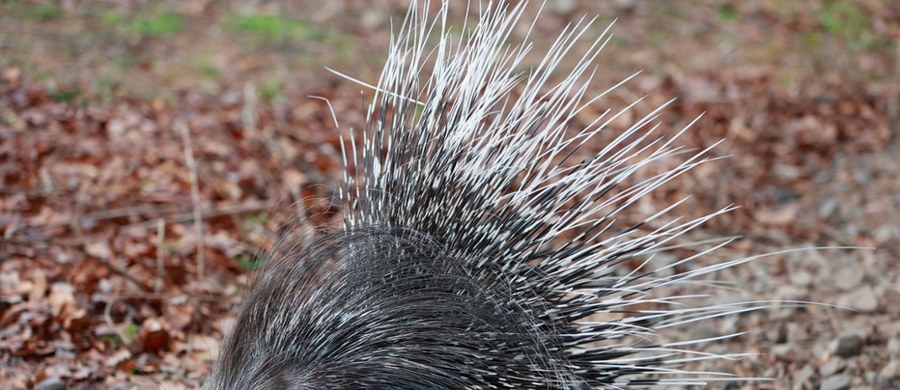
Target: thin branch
183, 130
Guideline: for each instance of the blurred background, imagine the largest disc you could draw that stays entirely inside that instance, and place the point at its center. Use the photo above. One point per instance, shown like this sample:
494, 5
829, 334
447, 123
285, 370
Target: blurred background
149, 150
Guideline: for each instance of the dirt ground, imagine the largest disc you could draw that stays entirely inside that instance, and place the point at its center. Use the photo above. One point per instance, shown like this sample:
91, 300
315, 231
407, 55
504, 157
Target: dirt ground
150, 149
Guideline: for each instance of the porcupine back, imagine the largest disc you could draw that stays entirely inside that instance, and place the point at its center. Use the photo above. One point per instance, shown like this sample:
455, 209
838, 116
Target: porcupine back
474, 252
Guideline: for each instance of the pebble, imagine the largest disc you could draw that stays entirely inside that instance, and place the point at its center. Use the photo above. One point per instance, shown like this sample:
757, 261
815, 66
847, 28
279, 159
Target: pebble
801, 279
889, 327
729, 325
563, 7
51, 384
782, 351
802, 378
863, 299
849, 278
837, 382
871, 377
893, 346
789, 292
797, 333
889, 376
847, 345
833, 366
892, 300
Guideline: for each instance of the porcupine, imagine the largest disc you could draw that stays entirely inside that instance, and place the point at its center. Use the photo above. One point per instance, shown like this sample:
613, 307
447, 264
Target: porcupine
473, 253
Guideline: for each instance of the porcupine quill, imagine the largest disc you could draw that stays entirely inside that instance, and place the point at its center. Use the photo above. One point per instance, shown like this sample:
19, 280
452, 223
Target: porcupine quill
474, 254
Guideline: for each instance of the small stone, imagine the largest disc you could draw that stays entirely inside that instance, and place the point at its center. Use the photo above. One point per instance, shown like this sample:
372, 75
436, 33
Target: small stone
563, 7
847, 345
789, 292
833, 366
729, 325
828, 208
731, 385
51, 384
796, 333
372, 19
893, 346
889, 376
802, 378
782, 351
801, 279
890, 328
891, 298
863, 299
847, 279
837, 382
624, 6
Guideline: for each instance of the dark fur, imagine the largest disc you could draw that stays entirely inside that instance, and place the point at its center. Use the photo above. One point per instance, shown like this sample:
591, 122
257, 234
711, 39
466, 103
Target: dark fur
449, 272
384, 308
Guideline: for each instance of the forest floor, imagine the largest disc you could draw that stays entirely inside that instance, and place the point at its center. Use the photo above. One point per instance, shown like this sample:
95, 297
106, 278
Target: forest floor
149, 150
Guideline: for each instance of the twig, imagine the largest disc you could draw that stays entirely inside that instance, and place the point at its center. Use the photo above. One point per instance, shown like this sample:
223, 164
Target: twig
181, 217
209, 213
132, 211
182, 129
160, 247
249, 109
893, 109
107, 316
